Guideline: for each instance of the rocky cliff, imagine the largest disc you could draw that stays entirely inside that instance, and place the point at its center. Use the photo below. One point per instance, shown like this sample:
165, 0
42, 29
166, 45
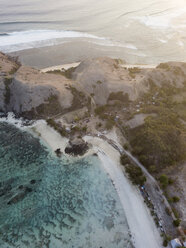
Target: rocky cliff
34, 94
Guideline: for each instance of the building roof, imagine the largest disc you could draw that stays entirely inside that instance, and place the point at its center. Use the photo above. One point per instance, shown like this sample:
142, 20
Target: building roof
175, 243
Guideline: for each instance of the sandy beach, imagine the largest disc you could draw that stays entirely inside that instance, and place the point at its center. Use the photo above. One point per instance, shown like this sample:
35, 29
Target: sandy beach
143, 230
75, 51
67, 66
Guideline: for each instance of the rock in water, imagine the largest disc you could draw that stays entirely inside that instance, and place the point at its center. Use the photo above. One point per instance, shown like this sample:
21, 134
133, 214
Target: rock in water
58, 152
77, 146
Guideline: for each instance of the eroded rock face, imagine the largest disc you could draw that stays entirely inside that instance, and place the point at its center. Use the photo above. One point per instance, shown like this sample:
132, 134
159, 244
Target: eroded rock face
34, 94
77, 146
102, 76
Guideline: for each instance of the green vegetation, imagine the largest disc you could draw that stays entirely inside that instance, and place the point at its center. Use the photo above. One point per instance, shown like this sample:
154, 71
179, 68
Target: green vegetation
176, 222
133, 71
124, 159
13, 70
164, 66
60, 129
126, 146
168, 211
7, 94
164, 181
175, 69
134, 172
100, 110
79, 99
175, 199
166, 240
50, 108
175, 212
66, 73
119, 97
135, 175
160, 141
99, 82
109, 124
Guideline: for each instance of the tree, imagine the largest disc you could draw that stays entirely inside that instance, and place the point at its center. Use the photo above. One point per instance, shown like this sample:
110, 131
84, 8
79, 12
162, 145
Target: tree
164, 180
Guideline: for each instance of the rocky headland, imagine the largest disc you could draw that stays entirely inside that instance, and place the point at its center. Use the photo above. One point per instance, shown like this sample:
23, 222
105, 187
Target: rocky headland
146, 106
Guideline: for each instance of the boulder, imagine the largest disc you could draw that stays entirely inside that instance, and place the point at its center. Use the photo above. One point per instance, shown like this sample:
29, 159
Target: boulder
77, 146
58, 152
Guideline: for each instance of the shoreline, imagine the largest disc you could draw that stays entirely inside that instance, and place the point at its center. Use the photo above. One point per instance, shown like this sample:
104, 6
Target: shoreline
75, 64
75, 51
137, 214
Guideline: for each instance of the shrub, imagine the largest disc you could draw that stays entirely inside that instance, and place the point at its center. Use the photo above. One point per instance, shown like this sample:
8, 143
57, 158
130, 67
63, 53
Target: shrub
124, 159
152, 168
164, 180
176, 222
176, 214
7, 93
99, 82
119, 96
168, 211
135, 175
171, 181
84, 129
175, 199
109, 124
56, 126
160, 140
165, 242
126, 146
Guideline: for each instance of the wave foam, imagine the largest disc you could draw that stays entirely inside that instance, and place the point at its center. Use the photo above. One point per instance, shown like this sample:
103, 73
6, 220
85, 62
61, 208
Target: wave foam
17, 41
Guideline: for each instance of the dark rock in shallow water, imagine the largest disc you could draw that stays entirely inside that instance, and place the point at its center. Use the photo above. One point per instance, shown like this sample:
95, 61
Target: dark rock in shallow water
17, 198
28, 189
20, 196
77, 146
21, 187
33, 181
58, 152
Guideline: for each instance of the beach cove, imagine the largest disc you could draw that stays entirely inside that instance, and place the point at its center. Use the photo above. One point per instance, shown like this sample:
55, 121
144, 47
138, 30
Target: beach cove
131, 213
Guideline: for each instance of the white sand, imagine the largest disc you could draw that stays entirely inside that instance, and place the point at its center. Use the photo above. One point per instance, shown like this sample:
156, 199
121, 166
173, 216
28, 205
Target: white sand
60, 67
67, 66
50, 137
142, 227
138, 65
141, 224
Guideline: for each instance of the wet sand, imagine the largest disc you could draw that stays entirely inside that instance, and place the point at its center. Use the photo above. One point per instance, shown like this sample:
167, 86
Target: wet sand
74, 52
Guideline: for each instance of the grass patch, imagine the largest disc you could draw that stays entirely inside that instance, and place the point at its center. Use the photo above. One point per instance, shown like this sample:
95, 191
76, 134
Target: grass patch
7, 94
60, 129
66, 73
119, 96
161, 140
135, 174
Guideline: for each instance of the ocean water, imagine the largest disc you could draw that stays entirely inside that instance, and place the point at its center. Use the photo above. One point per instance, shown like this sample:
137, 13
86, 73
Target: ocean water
149, 31
47, 202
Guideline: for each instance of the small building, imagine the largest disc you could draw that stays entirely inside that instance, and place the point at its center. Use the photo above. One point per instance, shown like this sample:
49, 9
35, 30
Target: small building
175, 243
68, 129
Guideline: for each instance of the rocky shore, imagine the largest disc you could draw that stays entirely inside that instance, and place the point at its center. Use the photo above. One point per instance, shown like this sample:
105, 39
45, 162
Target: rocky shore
77, 146
145, 104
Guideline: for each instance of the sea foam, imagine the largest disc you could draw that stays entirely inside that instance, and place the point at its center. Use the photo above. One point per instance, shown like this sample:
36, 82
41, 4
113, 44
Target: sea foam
16, 41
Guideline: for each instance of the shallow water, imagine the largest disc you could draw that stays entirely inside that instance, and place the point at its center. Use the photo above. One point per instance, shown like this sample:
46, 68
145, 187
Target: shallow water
148, 31
62, 202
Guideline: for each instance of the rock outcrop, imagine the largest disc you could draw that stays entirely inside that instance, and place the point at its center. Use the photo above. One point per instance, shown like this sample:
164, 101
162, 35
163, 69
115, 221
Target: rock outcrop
77, 146
34, 94
28, 92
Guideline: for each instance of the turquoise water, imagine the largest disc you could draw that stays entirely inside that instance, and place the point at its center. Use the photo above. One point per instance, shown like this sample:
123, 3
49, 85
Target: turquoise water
50, 202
